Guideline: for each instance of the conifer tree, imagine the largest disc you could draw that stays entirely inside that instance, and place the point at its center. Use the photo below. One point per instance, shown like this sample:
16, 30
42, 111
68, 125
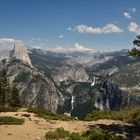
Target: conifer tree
135, 51
5, 89
9, 95
15, 97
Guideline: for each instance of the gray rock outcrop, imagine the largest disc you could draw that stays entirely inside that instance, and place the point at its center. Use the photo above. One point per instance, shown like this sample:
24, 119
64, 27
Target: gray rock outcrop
20, 52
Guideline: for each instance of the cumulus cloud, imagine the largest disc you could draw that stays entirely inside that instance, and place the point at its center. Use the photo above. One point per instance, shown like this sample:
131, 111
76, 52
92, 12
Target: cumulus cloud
134, 27
127, 15
69, 28
80, 47
130, 13
76, 48
133, 10
7, 40
7, 43
37, 47
61, 36
108, 28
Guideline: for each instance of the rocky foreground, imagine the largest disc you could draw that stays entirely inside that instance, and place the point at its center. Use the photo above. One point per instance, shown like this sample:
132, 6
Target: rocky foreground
35, 128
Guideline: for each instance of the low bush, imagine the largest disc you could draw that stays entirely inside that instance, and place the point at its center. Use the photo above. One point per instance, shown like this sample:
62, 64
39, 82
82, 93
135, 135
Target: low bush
99, 134
59, 133
8, 109
131, 115
46, 114
128, 115
75, 136
25, 115
7, 120
94, 134
106, 114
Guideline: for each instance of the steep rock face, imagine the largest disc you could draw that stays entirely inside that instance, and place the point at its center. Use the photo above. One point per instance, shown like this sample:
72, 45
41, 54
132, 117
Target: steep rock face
20, 52
109, 97
102, 96
4, 54
56, 83
35, 88
75, 73
72, 78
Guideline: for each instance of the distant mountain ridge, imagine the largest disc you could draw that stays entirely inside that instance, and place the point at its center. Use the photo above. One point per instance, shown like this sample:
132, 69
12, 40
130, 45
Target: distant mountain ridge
61, 82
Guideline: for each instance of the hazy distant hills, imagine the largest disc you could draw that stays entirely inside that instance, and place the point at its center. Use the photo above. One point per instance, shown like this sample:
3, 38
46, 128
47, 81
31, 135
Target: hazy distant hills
75, 82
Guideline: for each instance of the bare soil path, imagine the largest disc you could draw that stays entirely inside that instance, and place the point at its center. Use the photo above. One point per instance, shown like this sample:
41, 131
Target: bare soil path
35, 128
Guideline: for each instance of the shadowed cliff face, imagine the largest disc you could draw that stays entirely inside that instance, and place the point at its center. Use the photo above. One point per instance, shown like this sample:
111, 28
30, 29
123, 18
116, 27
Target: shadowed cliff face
103, 96
106, 93
36, 89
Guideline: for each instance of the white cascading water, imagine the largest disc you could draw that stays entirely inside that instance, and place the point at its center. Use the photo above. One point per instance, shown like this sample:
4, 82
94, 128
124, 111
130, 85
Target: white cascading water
99, 105
93, 83
107, 104
96, 104
72, 103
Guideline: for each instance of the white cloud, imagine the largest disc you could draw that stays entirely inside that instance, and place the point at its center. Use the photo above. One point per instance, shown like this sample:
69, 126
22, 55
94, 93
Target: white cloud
130, 13
133, 10
7, 40
69, 28
7, 43
79, 47
37, 47
61, 36
108, 28
127, 15
134, 27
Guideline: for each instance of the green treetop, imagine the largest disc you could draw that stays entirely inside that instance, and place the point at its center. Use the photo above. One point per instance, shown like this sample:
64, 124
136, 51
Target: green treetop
135, 51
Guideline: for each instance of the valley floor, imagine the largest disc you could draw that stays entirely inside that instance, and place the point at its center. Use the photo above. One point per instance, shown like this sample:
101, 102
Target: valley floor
35, 128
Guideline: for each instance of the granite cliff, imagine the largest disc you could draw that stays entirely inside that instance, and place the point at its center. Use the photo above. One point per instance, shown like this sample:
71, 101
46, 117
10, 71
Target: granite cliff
60, 83
20, 52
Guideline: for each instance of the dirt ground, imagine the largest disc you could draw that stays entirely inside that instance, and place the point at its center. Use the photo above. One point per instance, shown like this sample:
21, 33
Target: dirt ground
35, 128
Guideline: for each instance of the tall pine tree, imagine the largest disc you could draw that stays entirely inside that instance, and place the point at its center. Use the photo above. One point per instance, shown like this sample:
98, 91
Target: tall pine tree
9, 95
135, 51
5, 90
14, 101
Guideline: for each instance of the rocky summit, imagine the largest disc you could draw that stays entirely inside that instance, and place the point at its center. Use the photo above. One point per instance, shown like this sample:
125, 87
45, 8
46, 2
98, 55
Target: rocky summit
20, 52
62, 83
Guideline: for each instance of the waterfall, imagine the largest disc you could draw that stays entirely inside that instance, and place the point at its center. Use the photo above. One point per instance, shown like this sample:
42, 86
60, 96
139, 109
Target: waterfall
72, 103
96, 104
99, 105
93, 83
107, 104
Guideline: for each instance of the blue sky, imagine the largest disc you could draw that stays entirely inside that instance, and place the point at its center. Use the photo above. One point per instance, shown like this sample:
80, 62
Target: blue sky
97, 24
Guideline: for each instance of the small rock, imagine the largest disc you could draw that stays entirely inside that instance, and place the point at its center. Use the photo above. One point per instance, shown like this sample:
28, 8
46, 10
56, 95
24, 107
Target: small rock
25, 115
38, 138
